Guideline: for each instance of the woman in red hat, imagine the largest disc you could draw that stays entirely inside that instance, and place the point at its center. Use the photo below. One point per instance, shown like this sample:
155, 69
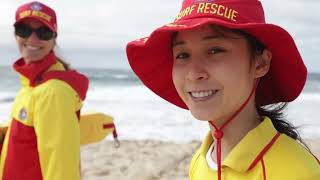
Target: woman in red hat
224, 63
43, 138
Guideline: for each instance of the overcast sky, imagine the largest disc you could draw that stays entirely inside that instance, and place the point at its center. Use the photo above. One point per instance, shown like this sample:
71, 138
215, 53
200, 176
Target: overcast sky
94, 33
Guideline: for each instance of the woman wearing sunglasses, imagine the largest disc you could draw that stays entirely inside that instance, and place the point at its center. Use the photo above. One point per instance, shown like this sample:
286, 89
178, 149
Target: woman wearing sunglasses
43, 138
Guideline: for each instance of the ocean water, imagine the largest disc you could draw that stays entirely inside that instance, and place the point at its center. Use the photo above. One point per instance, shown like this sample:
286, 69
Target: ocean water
140, 114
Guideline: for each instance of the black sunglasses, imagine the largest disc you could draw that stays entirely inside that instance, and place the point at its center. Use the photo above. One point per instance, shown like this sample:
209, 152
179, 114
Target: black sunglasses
43, 32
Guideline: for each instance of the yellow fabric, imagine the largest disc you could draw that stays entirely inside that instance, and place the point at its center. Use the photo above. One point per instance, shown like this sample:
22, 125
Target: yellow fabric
51, 109
285, 160
58, 132
91, 127
4, 152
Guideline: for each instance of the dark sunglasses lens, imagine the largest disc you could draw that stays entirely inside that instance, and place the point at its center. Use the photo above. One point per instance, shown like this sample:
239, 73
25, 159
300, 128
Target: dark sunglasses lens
23, 31
45, 33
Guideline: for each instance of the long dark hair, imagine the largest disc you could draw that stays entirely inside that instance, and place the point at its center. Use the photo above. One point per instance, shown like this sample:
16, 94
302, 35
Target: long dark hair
59, 57
274, 111
64, 63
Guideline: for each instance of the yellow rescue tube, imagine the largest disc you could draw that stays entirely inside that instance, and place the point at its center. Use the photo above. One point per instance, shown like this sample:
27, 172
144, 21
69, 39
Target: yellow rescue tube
94, 127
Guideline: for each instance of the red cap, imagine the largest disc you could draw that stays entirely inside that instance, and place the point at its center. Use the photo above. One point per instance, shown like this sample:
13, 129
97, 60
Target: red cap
38, 11
151, 58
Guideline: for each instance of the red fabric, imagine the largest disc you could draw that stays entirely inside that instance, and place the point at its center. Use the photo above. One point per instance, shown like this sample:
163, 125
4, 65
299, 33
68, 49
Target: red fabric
76, 80
237, 12
151, 58
22, 151
32, 10
34, 70
219, 155
109, 126
115, 134
22, 154
264, 169
218, 134
78, 113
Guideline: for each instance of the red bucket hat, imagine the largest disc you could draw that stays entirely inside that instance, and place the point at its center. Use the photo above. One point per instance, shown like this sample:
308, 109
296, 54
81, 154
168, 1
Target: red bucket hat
38, 11
151, 58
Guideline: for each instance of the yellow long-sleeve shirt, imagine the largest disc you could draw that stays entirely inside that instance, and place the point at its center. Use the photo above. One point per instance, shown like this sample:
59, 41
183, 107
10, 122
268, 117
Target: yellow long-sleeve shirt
263, 154
43, 138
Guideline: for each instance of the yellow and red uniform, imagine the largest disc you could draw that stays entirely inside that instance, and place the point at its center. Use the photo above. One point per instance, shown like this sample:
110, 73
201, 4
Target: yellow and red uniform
262, 154
43, 138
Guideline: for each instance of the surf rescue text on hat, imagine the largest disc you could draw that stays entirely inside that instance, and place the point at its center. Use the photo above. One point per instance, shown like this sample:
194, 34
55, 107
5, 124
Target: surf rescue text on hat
209, 8
35, 13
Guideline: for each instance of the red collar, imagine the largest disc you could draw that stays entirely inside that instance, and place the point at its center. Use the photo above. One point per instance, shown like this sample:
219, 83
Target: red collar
34, 70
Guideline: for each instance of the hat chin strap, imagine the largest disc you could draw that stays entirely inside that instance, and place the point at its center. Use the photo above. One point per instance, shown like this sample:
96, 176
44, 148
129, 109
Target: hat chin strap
218, 133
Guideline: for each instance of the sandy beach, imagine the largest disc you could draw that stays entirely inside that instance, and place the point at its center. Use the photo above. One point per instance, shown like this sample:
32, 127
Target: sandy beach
143, 160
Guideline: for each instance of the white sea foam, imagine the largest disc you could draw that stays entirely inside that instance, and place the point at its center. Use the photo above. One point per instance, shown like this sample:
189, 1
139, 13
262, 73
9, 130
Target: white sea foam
140, 114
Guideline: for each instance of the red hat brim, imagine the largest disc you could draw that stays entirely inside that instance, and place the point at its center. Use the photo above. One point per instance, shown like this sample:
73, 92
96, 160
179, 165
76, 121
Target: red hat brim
152, 61
39, 19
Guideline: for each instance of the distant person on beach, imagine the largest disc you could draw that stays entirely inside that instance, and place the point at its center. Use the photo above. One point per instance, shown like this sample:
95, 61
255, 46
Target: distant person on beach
223, 62
43, 138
